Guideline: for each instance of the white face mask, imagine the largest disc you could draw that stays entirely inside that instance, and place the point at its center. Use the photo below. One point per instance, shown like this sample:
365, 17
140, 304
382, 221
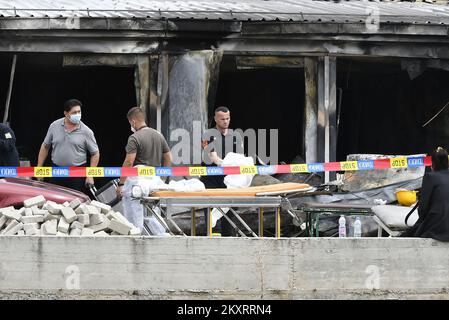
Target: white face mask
132, 129
75, 118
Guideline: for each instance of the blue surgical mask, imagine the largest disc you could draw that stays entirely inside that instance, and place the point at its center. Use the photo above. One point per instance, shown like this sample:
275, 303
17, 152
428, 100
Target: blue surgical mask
75, 118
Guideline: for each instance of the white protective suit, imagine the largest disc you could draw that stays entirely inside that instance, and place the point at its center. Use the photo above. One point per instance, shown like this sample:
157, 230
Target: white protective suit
134, 211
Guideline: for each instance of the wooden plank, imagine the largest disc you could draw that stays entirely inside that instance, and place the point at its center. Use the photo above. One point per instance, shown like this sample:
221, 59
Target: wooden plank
89, 60
270, 61
242, 192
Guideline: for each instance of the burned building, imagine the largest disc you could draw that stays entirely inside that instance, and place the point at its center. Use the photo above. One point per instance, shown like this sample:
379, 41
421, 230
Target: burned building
333, 77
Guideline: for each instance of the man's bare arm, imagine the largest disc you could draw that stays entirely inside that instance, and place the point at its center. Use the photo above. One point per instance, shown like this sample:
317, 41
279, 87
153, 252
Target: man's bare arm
43, 153
167, 159
128, 162
215, 158
94, 159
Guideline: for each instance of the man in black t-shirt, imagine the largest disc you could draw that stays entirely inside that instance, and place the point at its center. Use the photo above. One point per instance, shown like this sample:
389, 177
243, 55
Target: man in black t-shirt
9, 156
217, 143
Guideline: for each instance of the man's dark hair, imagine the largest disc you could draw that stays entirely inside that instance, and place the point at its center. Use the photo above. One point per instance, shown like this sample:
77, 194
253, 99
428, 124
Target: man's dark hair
439, 159
69, 104
222, 109
136, 113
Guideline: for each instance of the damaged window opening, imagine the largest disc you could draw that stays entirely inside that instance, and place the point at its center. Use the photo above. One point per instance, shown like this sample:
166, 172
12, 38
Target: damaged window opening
264, 97
385, 103
42, 84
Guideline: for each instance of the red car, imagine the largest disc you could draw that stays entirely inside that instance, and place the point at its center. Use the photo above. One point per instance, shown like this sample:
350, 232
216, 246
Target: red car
13, 191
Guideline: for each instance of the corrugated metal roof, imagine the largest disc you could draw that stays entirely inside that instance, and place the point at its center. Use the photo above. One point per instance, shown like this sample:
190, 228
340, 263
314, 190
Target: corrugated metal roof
242, 10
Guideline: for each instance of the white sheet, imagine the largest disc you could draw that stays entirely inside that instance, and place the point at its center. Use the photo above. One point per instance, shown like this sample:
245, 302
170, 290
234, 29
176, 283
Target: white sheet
234, 181
394, 216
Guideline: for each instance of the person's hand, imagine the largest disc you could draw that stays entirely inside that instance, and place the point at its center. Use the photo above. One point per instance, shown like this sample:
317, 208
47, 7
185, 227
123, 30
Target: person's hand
89, 181
119, 192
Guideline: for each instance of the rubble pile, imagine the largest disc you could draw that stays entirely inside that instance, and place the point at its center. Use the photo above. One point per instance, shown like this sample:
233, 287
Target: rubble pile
41, 217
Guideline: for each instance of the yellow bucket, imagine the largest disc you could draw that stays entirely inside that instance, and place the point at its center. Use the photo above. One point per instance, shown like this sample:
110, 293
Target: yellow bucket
406, 197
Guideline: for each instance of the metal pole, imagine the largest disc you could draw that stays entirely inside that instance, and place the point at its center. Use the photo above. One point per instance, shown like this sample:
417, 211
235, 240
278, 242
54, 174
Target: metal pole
159, 118
159, 218
332, 113
260, 222
293, 216
326, 117
176, 226
162, 89
209, 222
278, 222
232, 223
193, 226
11, 80
311, 110
243, 222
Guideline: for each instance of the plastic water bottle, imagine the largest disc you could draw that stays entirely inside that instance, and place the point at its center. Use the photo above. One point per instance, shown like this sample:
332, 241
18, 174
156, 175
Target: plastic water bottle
342, 227
357, 227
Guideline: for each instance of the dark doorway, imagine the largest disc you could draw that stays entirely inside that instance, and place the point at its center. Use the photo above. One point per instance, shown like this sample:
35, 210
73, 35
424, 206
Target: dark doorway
265, 98
383, 108
41, 86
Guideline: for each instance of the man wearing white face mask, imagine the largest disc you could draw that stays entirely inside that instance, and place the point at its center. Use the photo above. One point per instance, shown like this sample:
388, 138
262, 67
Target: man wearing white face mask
70, 140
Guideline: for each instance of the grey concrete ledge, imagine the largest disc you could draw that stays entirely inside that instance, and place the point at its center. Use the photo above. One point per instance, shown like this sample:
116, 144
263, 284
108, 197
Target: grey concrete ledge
222, 268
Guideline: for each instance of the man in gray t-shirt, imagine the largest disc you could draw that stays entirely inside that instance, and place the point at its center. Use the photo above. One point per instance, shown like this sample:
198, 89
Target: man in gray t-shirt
70, 141
145, 146
148, 145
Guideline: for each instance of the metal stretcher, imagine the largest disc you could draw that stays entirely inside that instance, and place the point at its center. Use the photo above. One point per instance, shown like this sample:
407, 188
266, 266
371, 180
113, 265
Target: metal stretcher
194, 203
107, 195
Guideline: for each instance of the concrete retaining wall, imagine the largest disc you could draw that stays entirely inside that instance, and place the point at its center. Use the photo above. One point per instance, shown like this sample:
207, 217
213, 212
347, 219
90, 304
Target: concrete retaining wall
232, 268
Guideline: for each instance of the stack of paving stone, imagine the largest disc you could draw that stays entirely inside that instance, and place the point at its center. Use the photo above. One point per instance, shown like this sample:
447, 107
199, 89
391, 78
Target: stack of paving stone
41, 217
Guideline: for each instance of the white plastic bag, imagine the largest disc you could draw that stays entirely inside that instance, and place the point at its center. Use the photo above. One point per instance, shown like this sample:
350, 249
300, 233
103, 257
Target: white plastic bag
394, 216
217, 215
186, 185
234, 181
147, 184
